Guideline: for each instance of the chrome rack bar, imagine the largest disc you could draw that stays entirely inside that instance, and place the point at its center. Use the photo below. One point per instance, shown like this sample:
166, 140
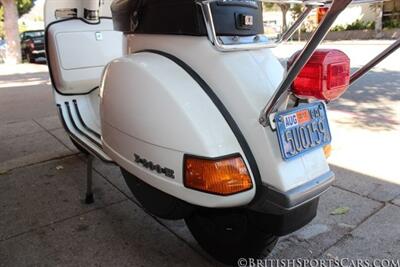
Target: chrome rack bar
257, 43
282, 92
301, 2
387, 52
236, 43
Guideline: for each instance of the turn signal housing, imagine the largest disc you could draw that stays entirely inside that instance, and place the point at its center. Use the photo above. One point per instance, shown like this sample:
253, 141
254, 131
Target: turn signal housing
326, 76
223, 176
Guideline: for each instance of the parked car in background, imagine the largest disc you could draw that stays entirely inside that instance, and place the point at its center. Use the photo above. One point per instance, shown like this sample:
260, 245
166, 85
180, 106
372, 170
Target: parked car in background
32, 45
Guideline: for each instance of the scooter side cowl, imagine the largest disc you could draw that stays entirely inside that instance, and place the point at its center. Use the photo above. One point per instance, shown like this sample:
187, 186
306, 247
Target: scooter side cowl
153, 114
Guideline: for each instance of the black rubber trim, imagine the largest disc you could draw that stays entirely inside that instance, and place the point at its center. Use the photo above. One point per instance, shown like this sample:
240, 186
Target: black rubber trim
83, 122
231, 156
46, 40
225, 113
79, 130
273, 199
78, 140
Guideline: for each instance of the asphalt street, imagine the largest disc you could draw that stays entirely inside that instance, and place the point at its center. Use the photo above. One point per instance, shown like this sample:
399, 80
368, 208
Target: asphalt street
44, 222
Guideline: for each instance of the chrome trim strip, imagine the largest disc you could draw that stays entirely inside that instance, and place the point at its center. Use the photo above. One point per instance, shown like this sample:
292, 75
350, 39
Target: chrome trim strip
240, 40
83, 122
69, 112
78, 140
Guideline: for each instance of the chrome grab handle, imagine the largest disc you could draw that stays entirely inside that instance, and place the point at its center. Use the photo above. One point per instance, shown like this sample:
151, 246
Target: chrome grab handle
281, 94
259, 41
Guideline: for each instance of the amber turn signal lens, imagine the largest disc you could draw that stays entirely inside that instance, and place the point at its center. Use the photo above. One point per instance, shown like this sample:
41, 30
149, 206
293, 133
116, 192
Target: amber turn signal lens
328, 151
222, 176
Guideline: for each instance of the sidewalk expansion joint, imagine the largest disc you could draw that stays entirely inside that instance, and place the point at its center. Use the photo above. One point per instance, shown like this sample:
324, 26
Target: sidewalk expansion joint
349, 234
7, 171
49, 132
360, 195
61, 220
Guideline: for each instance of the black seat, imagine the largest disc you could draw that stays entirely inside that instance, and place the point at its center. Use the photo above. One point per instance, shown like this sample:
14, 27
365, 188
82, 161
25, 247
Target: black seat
123, 14
184, 17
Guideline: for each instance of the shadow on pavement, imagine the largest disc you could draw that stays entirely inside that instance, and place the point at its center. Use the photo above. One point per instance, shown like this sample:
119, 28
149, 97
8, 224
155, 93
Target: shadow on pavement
14, 82
372, 100
25, 93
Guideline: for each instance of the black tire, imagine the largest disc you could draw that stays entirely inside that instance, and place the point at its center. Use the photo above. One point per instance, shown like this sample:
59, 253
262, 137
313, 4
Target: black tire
155, 201
228, 235
79, 147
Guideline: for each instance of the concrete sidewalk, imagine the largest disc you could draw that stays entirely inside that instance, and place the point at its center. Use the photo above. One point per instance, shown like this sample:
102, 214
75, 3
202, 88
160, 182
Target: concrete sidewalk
43, 220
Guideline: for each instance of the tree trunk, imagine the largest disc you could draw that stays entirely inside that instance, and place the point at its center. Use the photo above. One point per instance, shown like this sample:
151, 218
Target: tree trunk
284, 8
378, 20
13, 51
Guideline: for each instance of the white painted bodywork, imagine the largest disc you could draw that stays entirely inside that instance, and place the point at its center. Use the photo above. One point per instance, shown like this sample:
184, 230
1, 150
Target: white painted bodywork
150, 106
156, 110
79, 53
244, 81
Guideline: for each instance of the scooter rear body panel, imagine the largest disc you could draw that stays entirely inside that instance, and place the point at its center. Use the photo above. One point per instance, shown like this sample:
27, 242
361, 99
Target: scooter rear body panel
242, 81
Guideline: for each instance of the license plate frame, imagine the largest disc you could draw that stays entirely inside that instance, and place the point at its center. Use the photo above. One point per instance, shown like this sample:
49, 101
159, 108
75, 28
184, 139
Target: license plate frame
302, 129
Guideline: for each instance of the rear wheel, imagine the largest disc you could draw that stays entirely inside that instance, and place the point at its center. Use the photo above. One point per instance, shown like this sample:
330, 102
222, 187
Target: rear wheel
155, 201
228, 235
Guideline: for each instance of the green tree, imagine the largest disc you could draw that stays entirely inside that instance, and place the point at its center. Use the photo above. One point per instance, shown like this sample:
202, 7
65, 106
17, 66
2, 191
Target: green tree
296, 10
23, 6
10, 11
268, 6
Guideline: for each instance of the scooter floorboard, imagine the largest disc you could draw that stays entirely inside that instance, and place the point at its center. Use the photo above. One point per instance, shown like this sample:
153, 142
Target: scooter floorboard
76, 124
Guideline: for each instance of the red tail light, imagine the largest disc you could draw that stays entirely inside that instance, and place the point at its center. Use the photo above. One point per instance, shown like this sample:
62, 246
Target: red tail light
326, 76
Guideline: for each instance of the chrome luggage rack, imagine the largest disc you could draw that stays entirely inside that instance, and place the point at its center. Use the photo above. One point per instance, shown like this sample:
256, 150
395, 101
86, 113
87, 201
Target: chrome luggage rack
235, 43
282, 93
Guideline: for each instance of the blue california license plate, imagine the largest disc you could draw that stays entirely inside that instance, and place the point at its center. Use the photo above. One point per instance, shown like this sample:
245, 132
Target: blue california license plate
302, 129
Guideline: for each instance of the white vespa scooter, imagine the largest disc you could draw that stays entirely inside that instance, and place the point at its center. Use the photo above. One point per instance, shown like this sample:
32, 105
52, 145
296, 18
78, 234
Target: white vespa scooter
175, 93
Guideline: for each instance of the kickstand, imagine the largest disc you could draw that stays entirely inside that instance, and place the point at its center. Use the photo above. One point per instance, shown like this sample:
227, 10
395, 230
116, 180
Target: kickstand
89, 175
